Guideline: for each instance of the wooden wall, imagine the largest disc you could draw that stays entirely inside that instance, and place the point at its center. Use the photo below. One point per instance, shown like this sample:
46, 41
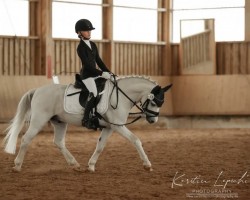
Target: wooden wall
233, 58
66, 60
17, 57
195, 49
190, 95
137, 58
128, 58
226, 93
211, 95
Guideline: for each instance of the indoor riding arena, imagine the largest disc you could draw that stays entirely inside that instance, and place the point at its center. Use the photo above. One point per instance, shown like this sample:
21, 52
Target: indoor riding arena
200, 146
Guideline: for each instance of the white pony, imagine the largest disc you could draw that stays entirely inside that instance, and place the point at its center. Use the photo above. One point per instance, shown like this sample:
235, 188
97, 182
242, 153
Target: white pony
47, 104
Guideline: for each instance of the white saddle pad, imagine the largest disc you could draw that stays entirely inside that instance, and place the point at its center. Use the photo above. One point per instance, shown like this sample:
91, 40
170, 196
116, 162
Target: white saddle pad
72, 105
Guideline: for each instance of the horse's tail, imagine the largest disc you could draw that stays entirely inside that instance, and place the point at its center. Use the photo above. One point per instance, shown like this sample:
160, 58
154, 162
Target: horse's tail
17, 123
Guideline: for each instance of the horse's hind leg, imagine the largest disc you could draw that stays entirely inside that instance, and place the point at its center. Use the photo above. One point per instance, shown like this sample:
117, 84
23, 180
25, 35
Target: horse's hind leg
34, 128
60, 129
99, 148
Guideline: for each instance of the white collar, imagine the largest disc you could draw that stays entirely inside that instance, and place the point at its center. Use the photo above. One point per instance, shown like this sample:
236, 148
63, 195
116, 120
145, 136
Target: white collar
87, 42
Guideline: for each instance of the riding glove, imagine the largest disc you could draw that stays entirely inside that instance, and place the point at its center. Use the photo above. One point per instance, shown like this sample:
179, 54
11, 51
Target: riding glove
106, 75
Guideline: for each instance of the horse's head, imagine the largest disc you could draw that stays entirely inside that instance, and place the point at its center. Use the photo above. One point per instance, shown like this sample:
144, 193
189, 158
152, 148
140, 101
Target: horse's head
153, 103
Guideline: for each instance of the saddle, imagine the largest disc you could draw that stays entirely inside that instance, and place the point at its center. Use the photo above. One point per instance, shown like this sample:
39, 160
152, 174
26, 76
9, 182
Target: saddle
84, 93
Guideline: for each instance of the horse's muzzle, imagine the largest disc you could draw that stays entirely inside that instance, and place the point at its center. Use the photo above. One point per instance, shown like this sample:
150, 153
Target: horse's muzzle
151, 120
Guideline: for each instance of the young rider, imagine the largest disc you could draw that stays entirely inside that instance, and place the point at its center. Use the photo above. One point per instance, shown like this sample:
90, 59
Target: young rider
88, 53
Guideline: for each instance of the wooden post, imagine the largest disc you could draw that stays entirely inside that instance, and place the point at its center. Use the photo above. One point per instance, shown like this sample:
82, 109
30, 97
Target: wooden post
107, 34
164, 31
35, 30
247, 19
46, 36
209, 23
40, 21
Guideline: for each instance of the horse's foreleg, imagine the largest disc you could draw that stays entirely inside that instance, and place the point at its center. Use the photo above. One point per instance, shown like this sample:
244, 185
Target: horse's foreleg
60, 129
122, 130
99, 148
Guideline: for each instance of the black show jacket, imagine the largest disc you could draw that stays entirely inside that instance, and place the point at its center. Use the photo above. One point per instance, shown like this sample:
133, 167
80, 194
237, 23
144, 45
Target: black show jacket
89, 58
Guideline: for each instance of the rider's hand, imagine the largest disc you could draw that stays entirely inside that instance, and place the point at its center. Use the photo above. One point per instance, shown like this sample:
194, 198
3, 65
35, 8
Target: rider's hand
106, 75
112, 77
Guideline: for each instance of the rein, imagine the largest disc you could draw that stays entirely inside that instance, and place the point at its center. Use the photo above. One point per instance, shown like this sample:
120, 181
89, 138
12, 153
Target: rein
117, 91
155, 114
101, 117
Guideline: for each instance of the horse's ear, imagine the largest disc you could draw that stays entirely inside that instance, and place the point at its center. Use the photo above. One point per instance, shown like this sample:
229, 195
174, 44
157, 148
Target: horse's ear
165, 89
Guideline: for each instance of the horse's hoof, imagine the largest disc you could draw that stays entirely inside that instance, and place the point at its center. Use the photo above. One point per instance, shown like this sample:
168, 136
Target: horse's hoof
77, 169
91, 169
16, 169
148, 168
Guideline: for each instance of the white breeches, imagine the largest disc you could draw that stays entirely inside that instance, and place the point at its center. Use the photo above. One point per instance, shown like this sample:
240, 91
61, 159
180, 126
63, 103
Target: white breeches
90, 85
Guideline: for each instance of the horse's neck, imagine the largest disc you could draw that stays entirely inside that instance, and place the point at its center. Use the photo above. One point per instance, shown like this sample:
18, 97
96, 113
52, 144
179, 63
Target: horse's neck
136, 87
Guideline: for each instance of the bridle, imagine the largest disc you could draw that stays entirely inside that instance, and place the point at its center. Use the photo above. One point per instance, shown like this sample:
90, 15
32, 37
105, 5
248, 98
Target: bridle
154, 100
156, 97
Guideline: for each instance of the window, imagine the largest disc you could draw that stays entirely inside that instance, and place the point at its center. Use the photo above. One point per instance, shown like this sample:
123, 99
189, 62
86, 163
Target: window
228, 15
135, 20
66, 14
14, 17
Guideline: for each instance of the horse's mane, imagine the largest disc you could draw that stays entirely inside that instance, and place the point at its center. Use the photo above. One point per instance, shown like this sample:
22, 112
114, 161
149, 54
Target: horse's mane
139, 77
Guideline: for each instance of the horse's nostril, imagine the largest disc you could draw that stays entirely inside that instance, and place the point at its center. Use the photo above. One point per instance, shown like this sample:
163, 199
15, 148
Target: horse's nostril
150, 120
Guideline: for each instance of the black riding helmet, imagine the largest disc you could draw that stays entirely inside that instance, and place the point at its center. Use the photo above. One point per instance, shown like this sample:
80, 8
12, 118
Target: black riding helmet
83, 25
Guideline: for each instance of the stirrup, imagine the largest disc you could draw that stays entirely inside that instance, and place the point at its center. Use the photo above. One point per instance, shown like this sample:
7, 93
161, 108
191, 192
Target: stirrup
89, 125
92, 123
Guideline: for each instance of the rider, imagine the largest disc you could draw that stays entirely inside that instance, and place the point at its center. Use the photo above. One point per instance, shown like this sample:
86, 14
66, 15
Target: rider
88, 53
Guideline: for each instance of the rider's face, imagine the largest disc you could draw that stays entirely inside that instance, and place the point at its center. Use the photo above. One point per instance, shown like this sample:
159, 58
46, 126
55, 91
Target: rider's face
86, 34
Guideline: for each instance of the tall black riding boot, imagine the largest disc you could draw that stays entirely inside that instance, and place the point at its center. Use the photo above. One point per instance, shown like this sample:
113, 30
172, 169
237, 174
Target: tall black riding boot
87, 122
